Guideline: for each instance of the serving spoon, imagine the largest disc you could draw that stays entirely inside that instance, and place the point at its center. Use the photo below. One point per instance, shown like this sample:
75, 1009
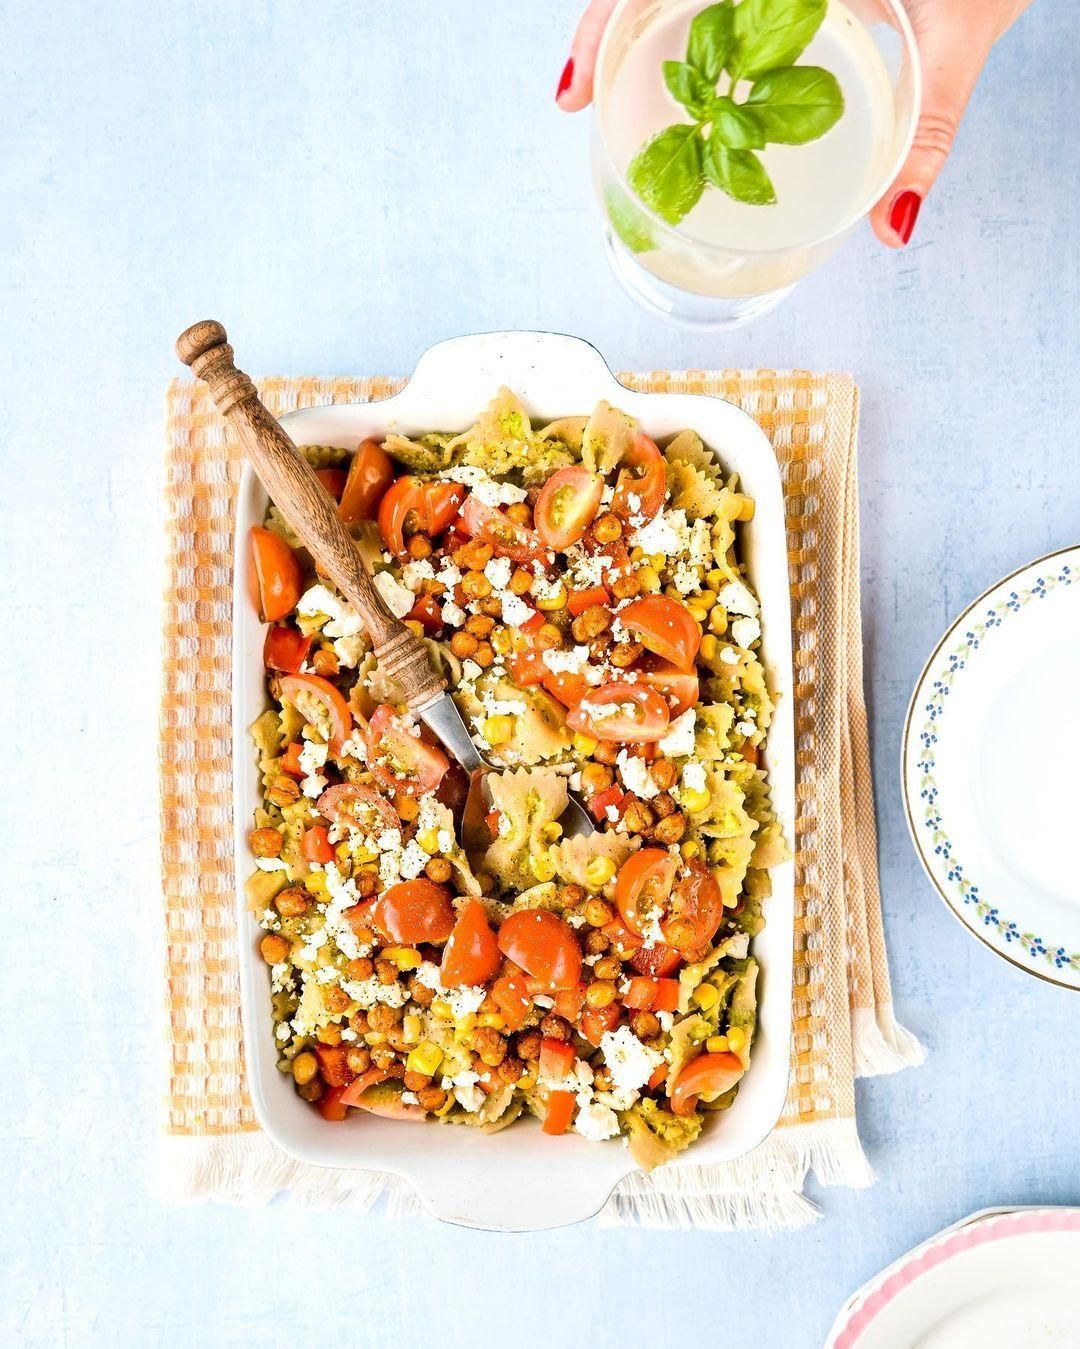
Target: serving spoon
300, 496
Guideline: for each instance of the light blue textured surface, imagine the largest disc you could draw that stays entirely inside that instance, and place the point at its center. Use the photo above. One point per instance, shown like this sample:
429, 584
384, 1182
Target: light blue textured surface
343, 184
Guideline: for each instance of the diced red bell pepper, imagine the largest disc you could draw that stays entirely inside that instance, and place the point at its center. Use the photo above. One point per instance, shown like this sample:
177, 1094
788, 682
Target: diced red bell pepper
610, 796
534, 621
621, 938
285, 649
659, 1077
667, 996
595, 1021
560, 1111
426, 612
511, 996
333, 1065
527, 666
315, 845
569, 1002
580, 600
640, 994
290, 761
331, 1106
557, 1058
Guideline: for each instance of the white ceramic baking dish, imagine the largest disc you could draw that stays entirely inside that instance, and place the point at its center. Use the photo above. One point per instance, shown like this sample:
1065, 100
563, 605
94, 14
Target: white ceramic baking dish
520, 1179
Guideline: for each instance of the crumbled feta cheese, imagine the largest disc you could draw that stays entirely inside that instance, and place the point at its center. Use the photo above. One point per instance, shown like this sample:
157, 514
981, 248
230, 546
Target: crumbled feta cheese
313, 756
314, 785
271, 864
746, 631
466, 1091
630, 1063
313, 943
667, 532
427, 974
413, 860
635, 775
498, 572
680, 735
515, 611
693, 776
737, 598
409, 1098
283, 1031
367, 992
729, 656
453, 614
414, 574
318, 601
566, 662
399, 600
353, 748
745, 727
470, 671
493, 493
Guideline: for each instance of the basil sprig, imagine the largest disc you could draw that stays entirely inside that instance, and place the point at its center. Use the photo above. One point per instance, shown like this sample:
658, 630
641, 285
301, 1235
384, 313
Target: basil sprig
757, 41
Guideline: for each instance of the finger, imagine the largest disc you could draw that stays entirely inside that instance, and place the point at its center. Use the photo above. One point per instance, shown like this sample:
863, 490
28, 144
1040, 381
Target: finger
576, 82
952, 58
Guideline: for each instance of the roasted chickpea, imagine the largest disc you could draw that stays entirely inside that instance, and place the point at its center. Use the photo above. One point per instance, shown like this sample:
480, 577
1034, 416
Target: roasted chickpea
396, 1038
602, 1079
330, 1034
645, 1025
291, 902
325, 663
265, 842
311, 1091
598, 913
475, 585
304, 1068
490, 1045
359, 1022
664, 773
636, 816
548, 637
520, 581
670, 830
555, 1027
510, 1070
569, 896
484, 655
600, 994
419, 546
591, 623
480, 626
606, 752
273, 948
521, 513
492, 607
527, 1045
463, 644
474, 555
382, 1056
416, 1081
362, 968
438, 870
595, 778
358, 1057
662, 806
680, 933
608, 968
596, 943
381, 1018
626, 587
431, 1098
283, 791
386, 971
336, 999
623, 654
396, 1069
366, 882
607, 528
420, 993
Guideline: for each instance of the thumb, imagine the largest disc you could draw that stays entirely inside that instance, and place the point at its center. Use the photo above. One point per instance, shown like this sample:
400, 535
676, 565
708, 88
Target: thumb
576, 83
952, 56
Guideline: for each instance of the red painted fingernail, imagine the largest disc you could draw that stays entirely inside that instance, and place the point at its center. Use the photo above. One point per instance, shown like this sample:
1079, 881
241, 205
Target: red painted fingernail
904, 213
566, 79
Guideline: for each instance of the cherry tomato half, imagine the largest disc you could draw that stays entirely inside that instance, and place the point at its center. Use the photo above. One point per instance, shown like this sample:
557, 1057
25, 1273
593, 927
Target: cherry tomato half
639, 714
333, 479
415, 911
276, 571
567, 505
543, 945
643, 886
506, 536
285, 649
371, 472
666, 627
472, 953
680, 689
709, 1075
399, 760
362, 807
312, 695
696, 910
432, 505
642, 476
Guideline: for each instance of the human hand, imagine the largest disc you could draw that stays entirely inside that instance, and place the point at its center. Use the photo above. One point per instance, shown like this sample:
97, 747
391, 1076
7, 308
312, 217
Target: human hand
954, 39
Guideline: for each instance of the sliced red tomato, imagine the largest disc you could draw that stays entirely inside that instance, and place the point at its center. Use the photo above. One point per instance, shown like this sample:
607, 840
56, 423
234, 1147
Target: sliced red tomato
331, 1106
415, 911
569, 686
360, 918
580, 600
610, 796
352, 1093
557, 1058
569, 1001
506, 536
534, 621
510, 993
680, 689
290, 760
472, 953
639, 714
658, 1078
664, 626
655, 961
696, 909
276, 569
543, 945
642, 482
285, 649
333, 1067
597, 1021
709, 1075
312, 695
333, 479
400, 760
432, 506
315, 846
567, 505
623, 942
362, 807
643, 885
371, 471
559, 1112
427, 612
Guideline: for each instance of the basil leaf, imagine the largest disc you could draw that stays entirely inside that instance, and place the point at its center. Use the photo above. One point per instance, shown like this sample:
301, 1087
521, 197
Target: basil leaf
686, 86
796, 105
628, 221
739, 173
712, 36
667, 175
735, 125
772, 33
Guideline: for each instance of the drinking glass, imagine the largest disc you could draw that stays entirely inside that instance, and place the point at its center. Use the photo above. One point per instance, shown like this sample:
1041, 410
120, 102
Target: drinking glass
726, 262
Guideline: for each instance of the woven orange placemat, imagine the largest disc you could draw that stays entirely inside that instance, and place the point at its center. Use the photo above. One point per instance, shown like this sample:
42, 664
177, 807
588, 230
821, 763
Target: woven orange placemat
843, 1017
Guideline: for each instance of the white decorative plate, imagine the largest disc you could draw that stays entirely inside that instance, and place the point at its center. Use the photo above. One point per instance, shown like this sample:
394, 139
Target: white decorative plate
991, 768
1003, 1280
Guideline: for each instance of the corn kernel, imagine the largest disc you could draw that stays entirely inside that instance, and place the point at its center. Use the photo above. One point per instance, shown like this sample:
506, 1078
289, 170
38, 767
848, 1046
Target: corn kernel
404, 957
691, 848
415, 627
425, 1058
736, 1038
705, 996
527, 1082
466, 1023
599, 871
637, 554
441, 1009
316, 883
707, 597
553, 602
445, 1109
746, 510
717, 619
584, 744
499, 729
709, 647
502, 640
717, 1044
697, 612
715, 578
648, 579
658, 560
551, 831
428, 839
492, 1019
411, 1028
543, 868
693, 800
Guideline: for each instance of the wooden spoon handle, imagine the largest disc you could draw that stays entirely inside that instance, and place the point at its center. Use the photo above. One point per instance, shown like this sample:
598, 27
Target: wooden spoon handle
298, 494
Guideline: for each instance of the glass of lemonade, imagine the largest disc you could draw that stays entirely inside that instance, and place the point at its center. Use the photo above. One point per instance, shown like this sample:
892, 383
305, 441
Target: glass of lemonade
727, 261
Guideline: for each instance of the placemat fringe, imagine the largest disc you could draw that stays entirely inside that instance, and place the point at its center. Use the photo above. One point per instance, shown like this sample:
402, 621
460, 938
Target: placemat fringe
881, 1045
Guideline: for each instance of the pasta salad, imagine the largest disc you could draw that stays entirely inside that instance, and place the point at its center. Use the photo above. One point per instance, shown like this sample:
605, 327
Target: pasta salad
440, 951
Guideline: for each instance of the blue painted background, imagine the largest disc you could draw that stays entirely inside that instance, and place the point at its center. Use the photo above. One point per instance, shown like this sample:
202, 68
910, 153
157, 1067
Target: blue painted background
343, 184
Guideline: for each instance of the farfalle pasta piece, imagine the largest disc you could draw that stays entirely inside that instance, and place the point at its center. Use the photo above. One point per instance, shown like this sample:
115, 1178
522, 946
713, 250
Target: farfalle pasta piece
608, 435
687, 447
502, 440
712, 730
726, 815
429, 454
539, 722
568, 431
441, 821
572, 856
526, 800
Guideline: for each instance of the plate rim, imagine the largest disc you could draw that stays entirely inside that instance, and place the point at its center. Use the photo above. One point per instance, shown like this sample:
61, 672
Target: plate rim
905, 744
